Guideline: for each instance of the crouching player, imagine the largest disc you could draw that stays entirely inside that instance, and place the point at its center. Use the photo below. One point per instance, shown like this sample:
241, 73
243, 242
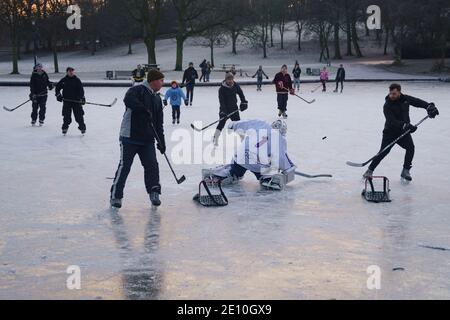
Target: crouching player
263, 152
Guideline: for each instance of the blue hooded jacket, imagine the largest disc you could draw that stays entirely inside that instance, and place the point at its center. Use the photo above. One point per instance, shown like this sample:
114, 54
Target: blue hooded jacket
176, 96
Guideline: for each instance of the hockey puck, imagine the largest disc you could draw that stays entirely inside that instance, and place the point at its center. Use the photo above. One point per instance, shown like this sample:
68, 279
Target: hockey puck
324, 138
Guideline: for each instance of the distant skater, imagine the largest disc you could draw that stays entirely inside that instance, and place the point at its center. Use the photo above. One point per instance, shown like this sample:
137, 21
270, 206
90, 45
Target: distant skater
189, 77
39, 83
324, 78
340, 78
259, 78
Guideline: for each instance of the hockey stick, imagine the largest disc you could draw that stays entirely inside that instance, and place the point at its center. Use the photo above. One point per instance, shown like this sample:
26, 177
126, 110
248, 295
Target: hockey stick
360, 165
183, 178
308, 102
314, 90
208, 126
13, 109
92, 103
313, 176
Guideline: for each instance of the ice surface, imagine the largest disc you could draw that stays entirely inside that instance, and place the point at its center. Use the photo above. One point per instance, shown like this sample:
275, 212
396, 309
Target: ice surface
314, 240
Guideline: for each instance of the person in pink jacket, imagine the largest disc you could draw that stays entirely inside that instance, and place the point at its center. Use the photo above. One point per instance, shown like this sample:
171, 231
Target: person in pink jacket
324, 78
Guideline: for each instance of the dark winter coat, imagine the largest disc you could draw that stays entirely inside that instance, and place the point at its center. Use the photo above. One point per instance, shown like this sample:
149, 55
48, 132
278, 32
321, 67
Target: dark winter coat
296, 73
138, 74
189, 77
204, 66
287, 82
143, 108
397, 113
39, 83
228, 97
72, 88
340, 76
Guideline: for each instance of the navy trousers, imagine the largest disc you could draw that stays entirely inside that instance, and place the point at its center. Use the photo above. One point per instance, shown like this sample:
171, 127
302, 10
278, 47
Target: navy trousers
39, 108
147, 155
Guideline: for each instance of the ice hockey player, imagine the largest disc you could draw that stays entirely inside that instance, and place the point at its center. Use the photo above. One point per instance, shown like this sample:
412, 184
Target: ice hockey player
138, 74
263, 152
39, 83
324, 77
176, 96
189, 77
73, 100
296, 73
340, 78
259, 77
396, 111
144, 112
283, 85
228, 92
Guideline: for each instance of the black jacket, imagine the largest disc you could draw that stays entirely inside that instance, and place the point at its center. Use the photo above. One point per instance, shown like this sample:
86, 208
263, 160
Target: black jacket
39, 83
340, 76
190, 74
397, 113
143, 108
296, 73
72, 88
228, 97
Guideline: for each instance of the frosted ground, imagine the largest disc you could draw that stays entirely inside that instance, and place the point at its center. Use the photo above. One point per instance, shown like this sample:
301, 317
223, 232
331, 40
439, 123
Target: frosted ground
314, 240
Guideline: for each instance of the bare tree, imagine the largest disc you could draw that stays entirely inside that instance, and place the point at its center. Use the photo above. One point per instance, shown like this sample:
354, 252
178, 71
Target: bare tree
12, 13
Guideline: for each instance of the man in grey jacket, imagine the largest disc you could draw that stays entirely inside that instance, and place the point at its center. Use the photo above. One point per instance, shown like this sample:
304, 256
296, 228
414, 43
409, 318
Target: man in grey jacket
142, 126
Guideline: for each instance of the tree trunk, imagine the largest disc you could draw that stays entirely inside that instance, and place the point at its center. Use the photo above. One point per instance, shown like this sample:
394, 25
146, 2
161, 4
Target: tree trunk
271, 35
55, 57
151, 48
211, 47
386, 42
355, 40
337, 44
299, 36
234, 36
264, 40
397, 47
179, 60
130, 46
15, 51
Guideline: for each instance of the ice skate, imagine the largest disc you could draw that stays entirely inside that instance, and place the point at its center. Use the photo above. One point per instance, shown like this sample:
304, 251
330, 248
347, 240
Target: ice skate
154, 198
116, 203
406, 175
368, 174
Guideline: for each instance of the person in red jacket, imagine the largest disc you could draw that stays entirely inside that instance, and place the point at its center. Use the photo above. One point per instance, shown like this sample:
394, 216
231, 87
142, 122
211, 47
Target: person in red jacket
283, 85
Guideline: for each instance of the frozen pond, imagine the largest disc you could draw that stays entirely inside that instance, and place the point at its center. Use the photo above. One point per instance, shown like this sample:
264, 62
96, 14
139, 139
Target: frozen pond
314, 240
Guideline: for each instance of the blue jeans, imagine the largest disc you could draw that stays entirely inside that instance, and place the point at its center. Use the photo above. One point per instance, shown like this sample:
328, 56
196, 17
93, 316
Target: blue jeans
297, 83
147, 155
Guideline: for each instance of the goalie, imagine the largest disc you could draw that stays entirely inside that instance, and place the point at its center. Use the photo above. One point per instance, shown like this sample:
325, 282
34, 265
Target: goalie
263, 151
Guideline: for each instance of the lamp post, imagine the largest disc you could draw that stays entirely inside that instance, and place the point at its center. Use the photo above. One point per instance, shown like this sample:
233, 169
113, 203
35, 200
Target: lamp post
34, 31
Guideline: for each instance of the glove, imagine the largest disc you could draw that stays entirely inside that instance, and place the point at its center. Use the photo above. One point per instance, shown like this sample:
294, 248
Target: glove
59, 97
161, 147
243, 106
223, 115
50, 86
186, 102
267, 78
165, 102
292, 91
432, 111
33, 97
409, 126
83, 101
